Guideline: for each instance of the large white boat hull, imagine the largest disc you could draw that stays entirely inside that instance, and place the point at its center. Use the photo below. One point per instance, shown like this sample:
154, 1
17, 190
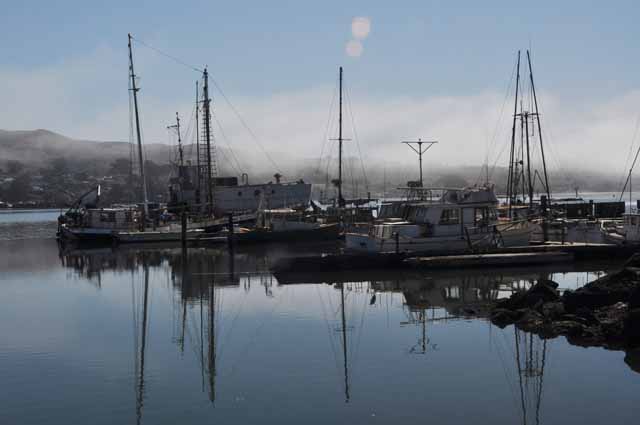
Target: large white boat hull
443, 244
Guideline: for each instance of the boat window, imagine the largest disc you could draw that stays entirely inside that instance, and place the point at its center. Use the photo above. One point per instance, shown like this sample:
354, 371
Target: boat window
450, 216
633, 221
239, 193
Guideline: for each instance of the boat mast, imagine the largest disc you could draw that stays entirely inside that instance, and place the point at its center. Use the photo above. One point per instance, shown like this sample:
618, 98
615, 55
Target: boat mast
341, 202
198, 176
513, 167
207, 132
535, 102
180, 151
134, 89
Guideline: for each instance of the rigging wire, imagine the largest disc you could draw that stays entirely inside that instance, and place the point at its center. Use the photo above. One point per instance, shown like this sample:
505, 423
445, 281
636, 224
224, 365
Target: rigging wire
228, 144
327, 127
222, 93
355, 136
635, 159
494, 139
245, 125
167, 55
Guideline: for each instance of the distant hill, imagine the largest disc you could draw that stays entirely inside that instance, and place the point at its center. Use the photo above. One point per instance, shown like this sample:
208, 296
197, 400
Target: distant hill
35, 148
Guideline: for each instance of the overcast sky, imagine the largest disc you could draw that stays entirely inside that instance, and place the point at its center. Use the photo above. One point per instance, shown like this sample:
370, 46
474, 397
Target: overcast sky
436, 70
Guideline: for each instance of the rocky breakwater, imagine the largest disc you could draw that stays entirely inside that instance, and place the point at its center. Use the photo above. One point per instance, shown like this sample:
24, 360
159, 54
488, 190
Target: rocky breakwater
605, 312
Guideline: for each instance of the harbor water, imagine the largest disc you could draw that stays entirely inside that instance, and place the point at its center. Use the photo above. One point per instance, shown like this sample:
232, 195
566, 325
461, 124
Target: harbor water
145, 334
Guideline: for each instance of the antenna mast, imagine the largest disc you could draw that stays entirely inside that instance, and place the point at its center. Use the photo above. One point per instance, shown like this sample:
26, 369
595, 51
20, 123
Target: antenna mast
134, 89
420, 150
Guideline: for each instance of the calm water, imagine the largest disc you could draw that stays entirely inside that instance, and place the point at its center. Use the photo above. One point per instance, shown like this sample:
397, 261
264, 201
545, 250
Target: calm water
144, 335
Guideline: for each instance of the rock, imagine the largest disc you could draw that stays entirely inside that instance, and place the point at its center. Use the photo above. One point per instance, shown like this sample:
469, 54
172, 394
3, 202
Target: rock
502, 317
552, 310
634, 298
611, 321
631, 328
607, 290
567, 327
632, 359
530, 320
542, 292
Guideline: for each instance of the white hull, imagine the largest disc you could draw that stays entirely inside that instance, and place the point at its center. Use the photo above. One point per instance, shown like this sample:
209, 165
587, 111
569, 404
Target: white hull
435, 245
248, 197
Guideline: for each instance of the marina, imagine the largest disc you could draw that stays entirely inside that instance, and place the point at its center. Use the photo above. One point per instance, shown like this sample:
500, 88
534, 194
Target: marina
286, 212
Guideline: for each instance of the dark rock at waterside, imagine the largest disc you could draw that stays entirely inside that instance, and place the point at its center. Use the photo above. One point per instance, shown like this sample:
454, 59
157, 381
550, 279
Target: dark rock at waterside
605, 312
608, 290
542, 292
632, 359
503, 317
631, 328
530, 320
553, 310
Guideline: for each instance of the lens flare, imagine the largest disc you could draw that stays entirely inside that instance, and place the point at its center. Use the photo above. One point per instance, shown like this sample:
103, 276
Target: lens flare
360, 27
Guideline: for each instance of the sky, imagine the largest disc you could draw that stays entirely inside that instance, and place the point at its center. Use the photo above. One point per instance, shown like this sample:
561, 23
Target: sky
430, 69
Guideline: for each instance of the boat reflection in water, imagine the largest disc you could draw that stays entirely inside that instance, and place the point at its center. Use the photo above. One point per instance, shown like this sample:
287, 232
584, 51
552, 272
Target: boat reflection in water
209, 290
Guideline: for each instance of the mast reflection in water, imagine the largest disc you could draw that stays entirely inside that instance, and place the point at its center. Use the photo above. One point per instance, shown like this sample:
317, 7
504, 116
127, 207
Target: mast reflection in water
337, 347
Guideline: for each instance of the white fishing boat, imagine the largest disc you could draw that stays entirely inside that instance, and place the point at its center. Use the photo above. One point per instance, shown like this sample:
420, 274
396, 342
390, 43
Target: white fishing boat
628, 233
460, 220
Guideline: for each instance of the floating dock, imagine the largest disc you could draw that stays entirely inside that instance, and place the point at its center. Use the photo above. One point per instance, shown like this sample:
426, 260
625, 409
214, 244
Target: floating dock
499, 257
489, 260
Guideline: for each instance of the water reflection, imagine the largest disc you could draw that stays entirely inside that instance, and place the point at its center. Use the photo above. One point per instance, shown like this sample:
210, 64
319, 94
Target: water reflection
201, 281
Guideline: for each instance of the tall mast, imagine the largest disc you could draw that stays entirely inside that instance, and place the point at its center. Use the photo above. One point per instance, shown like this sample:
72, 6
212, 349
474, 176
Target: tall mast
341, 202
198, 176
512, 167
134, 89
207, 132
535, 102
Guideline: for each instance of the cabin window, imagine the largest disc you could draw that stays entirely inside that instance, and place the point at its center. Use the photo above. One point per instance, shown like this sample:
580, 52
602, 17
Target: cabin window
450, 216
239, 193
